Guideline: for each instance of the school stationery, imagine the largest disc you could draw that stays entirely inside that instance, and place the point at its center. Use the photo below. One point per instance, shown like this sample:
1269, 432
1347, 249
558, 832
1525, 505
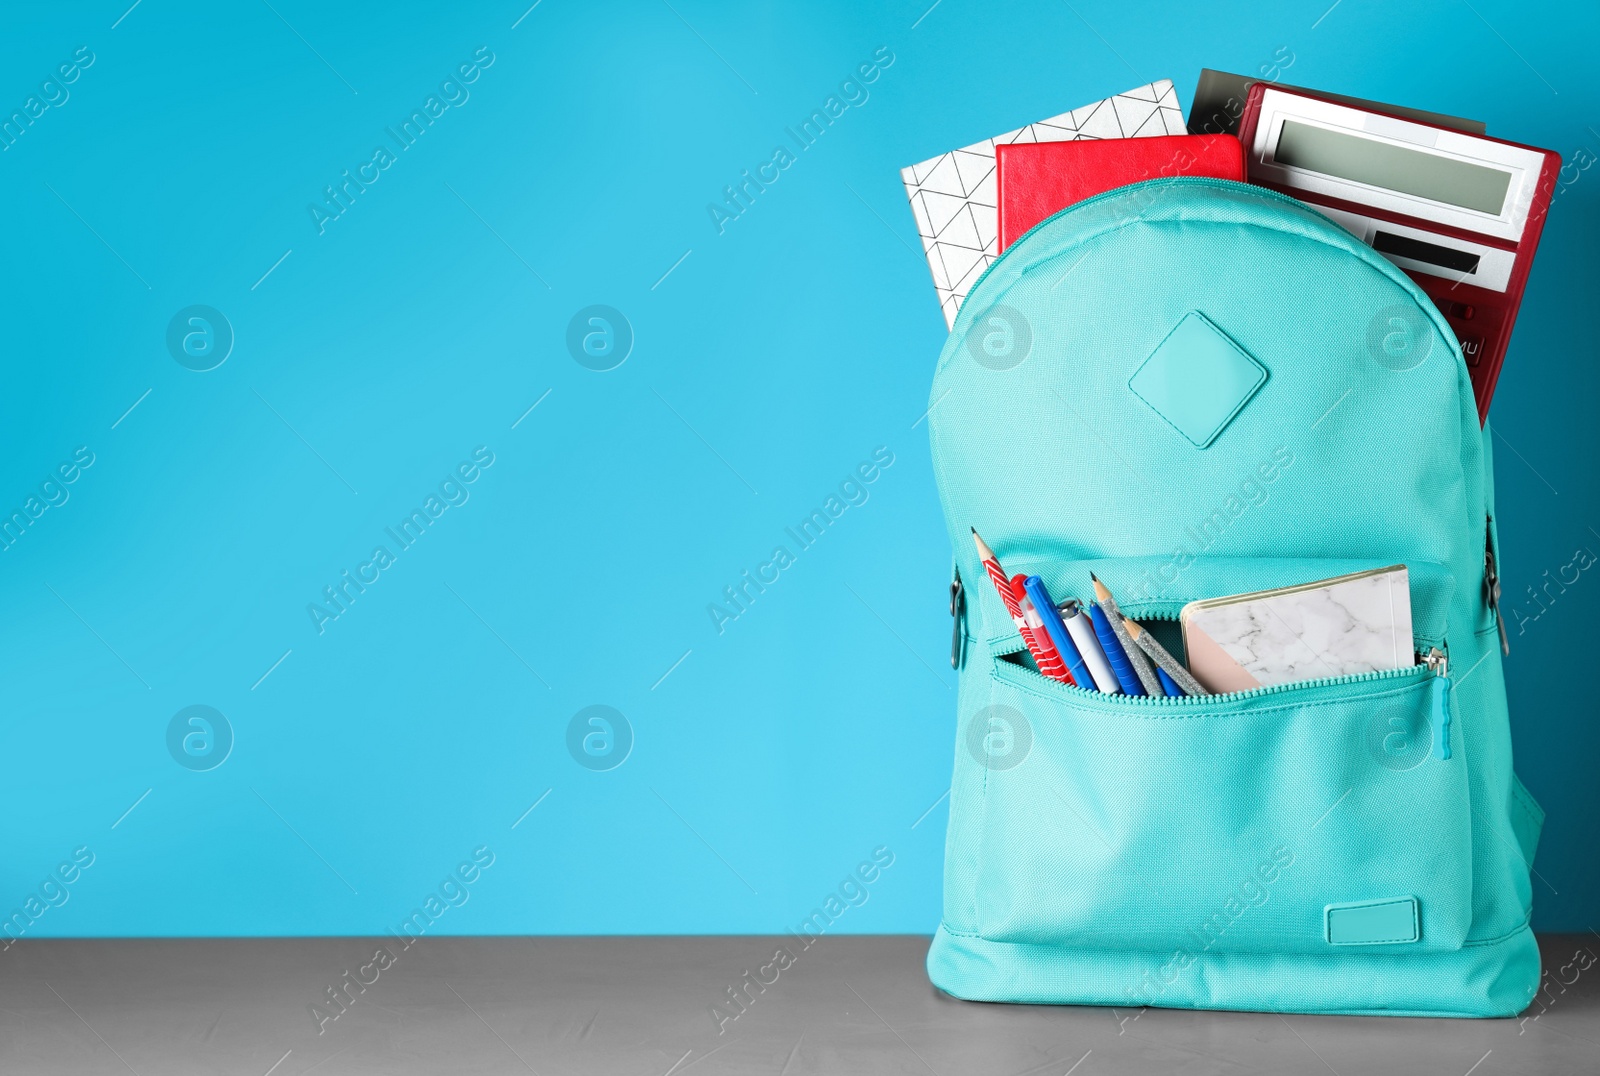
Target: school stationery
1048, 658
1460, 213
1337, 845
1136, 660
954, 195
1170, 669
1127, 679
1169, 686
1002, 585
1217, 671
1351, 624
1064, 645
1081, 628
1040, 178
997, 576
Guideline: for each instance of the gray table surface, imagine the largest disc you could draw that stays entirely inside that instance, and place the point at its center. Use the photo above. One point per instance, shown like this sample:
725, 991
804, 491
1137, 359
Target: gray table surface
644, 1007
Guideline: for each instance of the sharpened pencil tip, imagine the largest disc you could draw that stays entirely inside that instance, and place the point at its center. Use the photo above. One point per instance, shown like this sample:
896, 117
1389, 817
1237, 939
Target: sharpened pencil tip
984, 552
1101, 591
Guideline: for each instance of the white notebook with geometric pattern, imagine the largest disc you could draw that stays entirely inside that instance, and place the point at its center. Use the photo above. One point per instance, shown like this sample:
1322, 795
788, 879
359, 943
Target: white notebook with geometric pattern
955, 201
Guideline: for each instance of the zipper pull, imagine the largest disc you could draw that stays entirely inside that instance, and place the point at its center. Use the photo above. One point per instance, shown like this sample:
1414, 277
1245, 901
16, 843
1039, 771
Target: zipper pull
1491, 594
1439, 662
957, 605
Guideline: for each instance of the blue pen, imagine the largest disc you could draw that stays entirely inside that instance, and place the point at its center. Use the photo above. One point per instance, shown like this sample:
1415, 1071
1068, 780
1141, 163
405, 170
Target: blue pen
1057, 631
1114, 652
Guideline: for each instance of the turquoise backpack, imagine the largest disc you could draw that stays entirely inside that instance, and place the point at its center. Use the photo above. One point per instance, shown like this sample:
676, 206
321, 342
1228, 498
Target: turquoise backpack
1195, 388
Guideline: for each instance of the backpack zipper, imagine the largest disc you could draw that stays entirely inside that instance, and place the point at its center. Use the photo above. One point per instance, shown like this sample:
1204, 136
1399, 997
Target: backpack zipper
1491, 590
1436, 660
1439, 661
1437, 665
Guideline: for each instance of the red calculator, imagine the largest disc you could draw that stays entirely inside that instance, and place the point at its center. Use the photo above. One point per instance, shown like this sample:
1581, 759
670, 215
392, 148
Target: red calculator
1461, 213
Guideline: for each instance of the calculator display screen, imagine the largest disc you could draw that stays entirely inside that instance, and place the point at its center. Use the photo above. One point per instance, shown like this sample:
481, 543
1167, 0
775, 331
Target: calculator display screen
1390, 167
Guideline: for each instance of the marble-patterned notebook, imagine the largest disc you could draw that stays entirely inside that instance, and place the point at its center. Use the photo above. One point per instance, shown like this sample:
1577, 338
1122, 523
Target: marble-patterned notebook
1335, 627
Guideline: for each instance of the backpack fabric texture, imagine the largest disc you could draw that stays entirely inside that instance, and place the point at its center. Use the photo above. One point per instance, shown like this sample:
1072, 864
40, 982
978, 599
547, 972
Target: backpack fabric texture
1195, 388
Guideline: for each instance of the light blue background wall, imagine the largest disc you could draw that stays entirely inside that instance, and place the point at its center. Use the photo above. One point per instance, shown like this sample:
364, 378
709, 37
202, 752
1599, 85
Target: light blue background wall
423, 722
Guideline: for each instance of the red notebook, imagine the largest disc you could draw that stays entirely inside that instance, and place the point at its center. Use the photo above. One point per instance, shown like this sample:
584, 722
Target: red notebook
1037, 179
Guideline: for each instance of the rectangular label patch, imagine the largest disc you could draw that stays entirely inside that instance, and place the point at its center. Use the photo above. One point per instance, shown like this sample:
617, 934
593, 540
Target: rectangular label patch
1372, 922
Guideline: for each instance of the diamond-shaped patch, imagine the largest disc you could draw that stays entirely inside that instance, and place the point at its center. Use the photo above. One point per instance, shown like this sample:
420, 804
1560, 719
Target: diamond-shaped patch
1198, 379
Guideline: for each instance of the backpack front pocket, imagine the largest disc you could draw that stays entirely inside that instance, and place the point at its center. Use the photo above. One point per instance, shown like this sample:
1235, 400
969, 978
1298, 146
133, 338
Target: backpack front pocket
1302, 818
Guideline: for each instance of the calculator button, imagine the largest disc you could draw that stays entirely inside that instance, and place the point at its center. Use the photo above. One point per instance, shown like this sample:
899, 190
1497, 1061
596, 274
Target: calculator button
1472, 348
